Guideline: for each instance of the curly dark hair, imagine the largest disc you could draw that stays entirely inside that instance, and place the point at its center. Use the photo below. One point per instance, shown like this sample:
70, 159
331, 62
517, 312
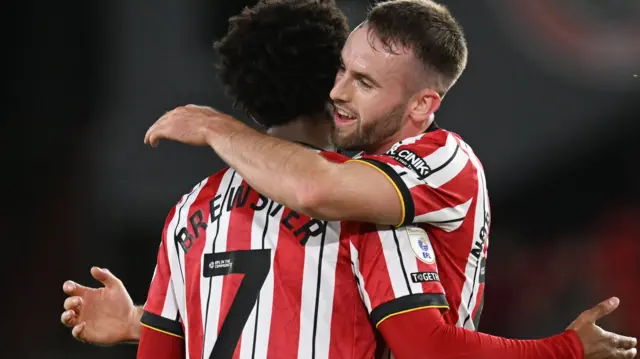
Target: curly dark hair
279, 58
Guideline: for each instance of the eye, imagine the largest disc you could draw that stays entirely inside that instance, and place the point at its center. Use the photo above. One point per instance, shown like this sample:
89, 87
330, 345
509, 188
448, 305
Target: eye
364, 84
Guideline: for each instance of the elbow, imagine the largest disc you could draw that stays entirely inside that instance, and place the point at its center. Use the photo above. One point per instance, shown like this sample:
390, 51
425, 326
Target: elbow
317, 195
311, 200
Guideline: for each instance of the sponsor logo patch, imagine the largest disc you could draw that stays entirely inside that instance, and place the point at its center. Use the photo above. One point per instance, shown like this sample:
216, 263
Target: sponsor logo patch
424, 277
410, 160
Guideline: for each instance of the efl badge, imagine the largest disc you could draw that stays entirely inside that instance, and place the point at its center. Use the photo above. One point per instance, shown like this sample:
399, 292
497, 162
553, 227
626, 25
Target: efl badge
421, 245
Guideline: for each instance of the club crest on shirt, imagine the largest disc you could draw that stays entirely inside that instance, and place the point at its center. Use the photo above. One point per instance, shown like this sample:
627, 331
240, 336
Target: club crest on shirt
421, 245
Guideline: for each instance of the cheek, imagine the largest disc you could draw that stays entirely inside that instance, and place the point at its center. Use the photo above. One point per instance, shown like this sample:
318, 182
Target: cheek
375, 105
368, 101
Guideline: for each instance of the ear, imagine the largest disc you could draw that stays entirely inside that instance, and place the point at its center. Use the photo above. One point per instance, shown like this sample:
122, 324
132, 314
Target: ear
424, 104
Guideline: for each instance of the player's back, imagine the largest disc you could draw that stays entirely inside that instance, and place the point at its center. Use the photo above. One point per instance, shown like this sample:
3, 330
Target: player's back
253, 279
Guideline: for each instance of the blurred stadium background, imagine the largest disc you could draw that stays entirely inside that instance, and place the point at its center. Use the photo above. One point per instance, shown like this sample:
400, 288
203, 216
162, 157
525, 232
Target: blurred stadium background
550, 103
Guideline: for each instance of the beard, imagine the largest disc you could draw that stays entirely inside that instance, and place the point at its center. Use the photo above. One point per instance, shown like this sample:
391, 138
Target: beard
366, 136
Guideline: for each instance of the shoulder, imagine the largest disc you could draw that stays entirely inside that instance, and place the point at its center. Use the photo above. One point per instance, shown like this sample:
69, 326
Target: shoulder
205, 188
426, 143
424, 153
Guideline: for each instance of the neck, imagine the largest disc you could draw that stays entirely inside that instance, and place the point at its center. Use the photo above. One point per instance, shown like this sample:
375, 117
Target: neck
311, 130
410, 129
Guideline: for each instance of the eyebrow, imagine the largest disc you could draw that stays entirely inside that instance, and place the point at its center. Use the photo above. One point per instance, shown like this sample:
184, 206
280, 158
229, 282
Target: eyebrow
361, 75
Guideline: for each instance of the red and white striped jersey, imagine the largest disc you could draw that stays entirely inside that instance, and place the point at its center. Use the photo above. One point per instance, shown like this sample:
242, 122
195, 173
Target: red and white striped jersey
445, 216
245, 277
240, 276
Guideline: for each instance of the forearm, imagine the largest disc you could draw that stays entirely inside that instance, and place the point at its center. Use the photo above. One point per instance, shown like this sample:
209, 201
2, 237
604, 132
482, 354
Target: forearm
278, 169
421, 333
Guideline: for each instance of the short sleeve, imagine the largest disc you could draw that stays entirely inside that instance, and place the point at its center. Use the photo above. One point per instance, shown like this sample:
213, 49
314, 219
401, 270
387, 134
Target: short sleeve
434, 179
392, 278
161, 309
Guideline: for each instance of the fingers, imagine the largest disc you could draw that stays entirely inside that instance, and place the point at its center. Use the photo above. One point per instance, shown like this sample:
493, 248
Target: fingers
624, 354
599, 311
105, 277
620, 346
72, 303
69, 318
152, 137
154, 134
620, 341
73, 289
77, 331
149, 137
161, 128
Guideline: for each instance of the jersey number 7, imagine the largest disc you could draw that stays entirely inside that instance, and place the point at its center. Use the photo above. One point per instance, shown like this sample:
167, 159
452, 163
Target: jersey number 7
255, 265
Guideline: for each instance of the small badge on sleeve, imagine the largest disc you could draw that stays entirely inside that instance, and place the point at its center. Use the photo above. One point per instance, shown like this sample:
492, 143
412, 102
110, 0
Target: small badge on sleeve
421, 245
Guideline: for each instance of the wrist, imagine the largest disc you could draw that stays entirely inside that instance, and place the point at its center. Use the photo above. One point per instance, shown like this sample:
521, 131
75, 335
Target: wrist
133, 325
575, 342
209, 132
221, 128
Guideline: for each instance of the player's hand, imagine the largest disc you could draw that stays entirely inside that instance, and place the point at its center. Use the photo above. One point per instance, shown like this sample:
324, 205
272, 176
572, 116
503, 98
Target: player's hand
189, 124
102, 316
598, 343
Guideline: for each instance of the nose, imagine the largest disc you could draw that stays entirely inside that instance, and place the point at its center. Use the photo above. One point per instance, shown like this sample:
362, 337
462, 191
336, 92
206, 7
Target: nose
340, 91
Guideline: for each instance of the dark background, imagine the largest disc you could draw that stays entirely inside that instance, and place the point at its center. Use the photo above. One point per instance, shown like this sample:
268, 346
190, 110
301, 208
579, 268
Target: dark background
550, 102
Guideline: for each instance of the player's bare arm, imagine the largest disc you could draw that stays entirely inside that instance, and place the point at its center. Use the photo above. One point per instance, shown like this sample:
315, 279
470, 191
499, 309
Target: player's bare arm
102, 316
290, 174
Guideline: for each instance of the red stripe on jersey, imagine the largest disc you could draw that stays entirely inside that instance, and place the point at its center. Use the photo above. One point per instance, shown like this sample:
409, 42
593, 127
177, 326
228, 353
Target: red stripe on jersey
193, 263
373, 265
334, 157
160, 283
288, 269
349, 338
238, 238
452, 250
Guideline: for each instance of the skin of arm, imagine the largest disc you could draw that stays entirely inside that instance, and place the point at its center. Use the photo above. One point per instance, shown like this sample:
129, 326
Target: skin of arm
301, 179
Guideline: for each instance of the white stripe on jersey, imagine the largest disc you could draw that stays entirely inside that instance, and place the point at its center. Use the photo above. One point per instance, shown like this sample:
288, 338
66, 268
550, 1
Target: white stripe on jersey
448, 219
410, 180
327, 254
400, 260
443, 154
262, 220
170, 307
155, 270
211, 290
327, 289
176, 257
450, 170
356, 271
472, 270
